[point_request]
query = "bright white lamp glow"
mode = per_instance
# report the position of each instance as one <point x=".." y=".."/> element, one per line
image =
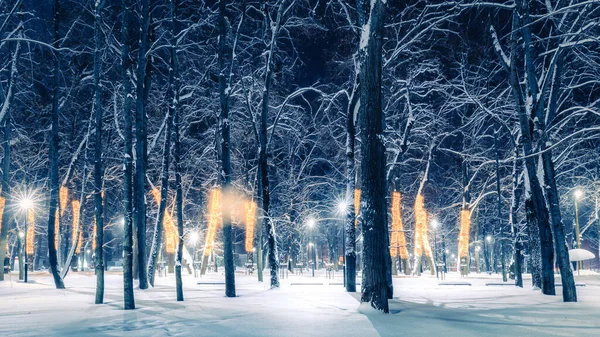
<point x="26" y="203"/>
<point x="310" y="223"/>
<point x="578" y="194"/>
<point x="342" y="207"/>
<point x="434" y="223"/>
<point x="488" y="238"/>
<point x="193" y="238"/>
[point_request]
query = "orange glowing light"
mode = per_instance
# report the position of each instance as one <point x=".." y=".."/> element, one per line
<point x="64" y="198"/>
<point x="420" y="224"/>
<point x="79" y="243"/>
<point x="76" y="206"/>
<point x="30" y="231"/>
<point x="171" y="235"/>
<point x="465" y="231"/>
<point x="250" y="223"/>
<point x="214" y="218"/>
<point x="2" y="201"/>
<point x="356" y="206"/>
<point x="397" y="239"/>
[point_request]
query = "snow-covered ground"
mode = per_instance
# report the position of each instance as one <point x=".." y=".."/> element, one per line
<point x="421" y="307"/>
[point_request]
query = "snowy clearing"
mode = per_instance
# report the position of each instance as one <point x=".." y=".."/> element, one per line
<point x="420" y="307"/>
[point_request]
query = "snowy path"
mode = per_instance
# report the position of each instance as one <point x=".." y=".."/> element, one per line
<point x="421" y="308"/>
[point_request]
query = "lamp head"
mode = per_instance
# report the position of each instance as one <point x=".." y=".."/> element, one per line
<point x="578" y="194"/>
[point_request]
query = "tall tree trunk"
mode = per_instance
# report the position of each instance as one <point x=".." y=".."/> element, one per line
<point x="350" y="223"/>
<point x="98" y="173"/>
<point x="514" y="209"/>
<point x="558" y="229"/>
<point x="499" y="207"/>
<point x="225" y="153"/>
<point x="140" y="146"/>
<point x="53" y="154"/>
<point x="128" y="293"/>
<point x="269" y="227"/>
<point x="177" y="150"/>
<point x="538" y="204"/>
<point x="375" y="287"/>
<point x="6" y="219"/>
<point x="164" y="186"/>
<point x="5" y="204"/>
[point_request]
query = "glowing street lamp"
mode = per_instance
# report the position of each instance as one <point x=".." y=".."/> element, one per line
<point x="311" y="224"/>
<point x="25" y="204"/>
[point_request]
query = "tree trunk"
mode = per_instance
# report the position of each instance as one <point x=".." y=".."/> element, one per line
<point x="350" y="224"/>
<point x="538" y="205"/>
<point x="177" y="152"/>
<point x="140" y="146"/>
<point x="269" y="227"/>
<point x="164" y="184"/>
<point x="98" y="173"/>
<point x="128" y="293"/>
<point x="53" y="154"/>
<point x="225" y="153"/>
<point x="514" y="209"/>
<point x="375" y="287"/>
<point x="6" y="202"/>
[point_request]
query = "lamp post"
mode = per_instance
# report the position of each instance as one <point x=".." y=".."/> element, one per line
<point x="342" y="208"/>
<point x="26" y="204"/>
<point x="434" y="225"/>
<point x="578" y="194"/>
<point x="193" y="239"/>
<point x="311" y="225"/>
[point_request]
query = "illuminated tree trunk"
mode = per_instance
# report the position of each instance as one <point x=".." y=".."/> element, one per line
<point x="53" y="156"/>
<point x="128" y="293"/>
<point x="375" y="283"/>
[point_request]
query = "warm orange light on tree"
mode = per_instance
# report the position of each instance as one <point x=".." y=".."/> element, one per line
<point x="171" y="237"/>
<point x="214" y="217"/>
<point x="2" y="201"/>
<point x="64" y="198"/>
<point x="397" y="238"/>
<point x="420" y="224"/>
<point x="356" y="206"/>
<point x="465" y="232"/>
<point x="76" y="206"/>
<point x="250" y="224"/>
<point x="421" y="220"/>
<point x="79" y="243"/>
<point x="30" y="232"/>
